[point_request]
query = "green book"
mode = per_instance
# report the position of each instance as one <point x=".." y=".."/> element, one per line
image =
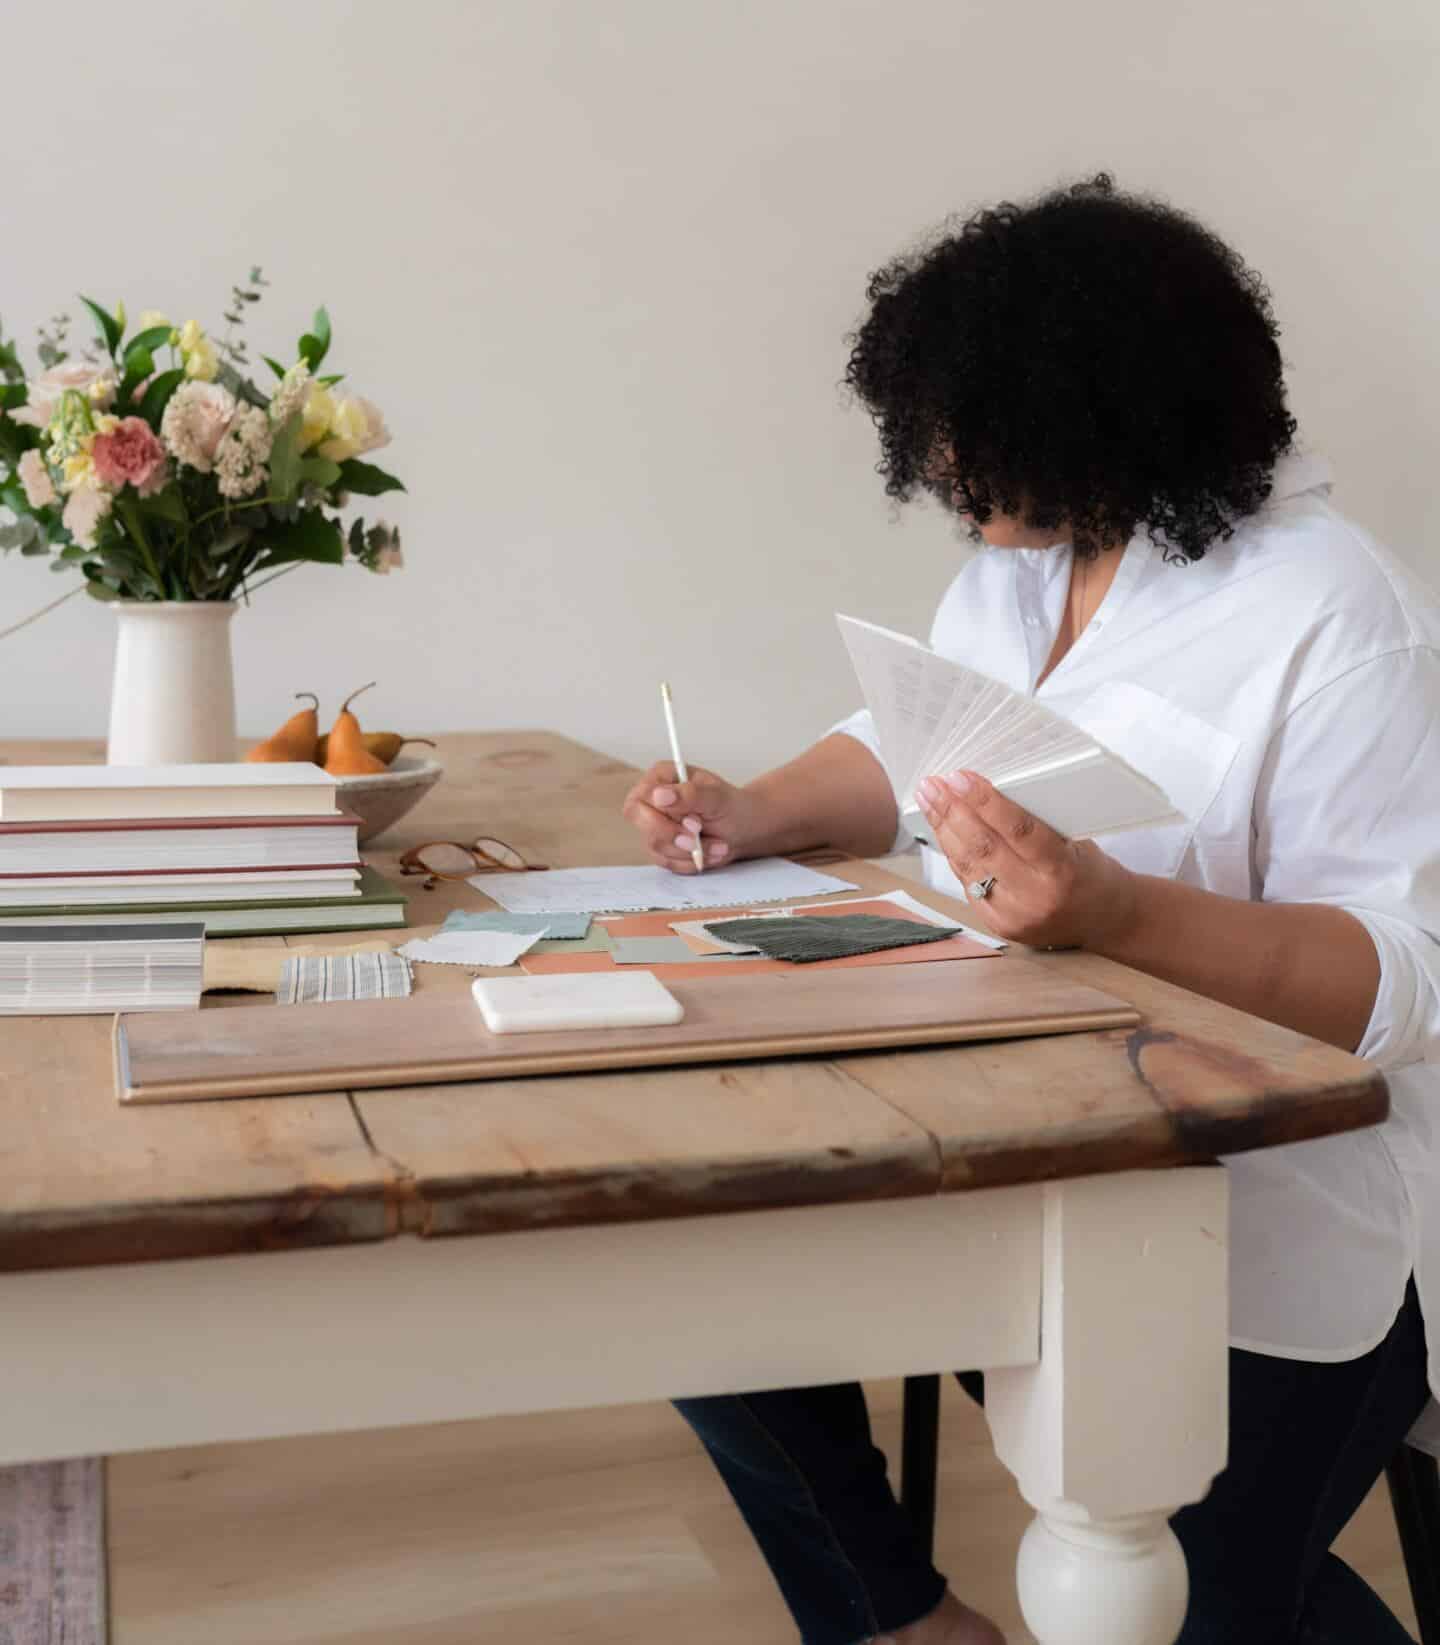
<point x="380" y="904"/>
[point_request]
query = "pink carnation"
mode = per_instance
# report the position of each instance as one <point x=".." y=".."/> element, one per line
<point x="130" y="455"/>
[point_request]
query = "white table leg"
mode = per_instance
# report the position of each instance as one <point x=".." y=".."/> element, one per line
<point x="1124" y="1418"/>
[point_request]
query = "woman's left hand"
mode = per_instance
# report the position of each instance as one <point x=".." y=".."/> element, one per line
<point x="1049" y="892"/>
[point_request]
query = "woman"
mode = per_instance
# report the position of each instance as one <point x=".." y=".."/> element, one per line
<point x="1092" y="382"/>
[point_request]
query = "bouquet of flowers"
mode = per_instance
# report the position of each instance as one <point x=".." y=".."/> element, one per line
<point x="158" y="467"/>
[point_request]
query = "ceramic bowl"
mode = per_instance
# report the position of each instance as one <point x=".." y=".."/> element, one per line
<point x="382" y="799"/>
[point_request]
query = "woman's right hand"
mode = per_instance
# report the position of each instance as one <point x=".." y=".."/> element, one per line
<point x="668" y="812"/>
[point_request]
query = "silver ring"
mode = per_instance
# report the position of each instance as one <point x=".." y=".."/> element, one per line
<point x="980" y="889"/>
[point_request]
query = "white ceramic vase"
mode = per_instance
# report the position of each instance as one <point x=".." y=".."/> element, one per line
<point x="173" y="697"/>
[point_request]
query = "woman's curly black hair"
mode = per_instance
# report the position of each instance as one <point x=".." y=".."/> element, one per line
<point x="1091" y="358"/>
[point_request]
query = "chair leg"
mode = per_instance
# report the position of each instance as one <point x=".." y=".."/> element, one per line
<point x="1414" y="1481"/>
<point x="919" y="1445"/>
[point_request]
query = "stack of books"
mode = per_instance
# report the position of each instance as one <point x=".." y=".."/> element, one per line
<point x="46" y="970"/>
<point x="243" y="850"/>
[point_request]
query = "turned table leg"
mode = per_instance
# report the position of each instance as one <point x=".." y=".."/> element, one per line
<point x="1124" y="1419"/>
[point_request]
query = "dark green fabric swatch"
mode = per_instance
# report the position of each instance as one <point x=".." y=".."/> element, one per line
<point x="828" y="937"/>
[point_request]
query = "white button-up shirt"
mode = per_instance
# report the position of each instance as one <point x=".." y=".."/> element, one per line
<point x="1285" y="691"/>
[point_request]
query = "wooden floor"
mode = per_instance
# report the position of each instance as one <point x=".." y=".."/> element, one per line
<point x="599" y="1527"/>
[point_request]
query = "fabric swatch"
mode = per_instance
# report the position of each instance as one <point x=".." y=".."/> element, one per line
<point x="802" y="938"/>
<point x="255" y="968"/>
<point x="309" y="979"/>
<point x="471" y="947"/>
<point x="547" y="925"/>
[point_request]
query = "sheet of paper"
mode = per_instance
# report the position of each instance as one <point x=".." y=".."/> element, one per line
<point x="470" y="947"/>
<point x="591" y="890"/>
<point x="596" y="940"/>
<point x="656" y="951"/>
<point x="545" y="925"/>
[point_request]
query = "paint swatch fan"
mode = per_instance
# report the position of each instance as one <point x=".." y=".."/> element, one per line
<point x="934" y="716"/>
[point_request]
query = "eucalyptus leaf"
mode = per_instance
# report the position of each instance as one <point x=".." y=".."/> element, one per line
<point x="241" y="387"/>
<point x="109" y="327"/>
<point x="366" y="480"/>
<point x="11" y="536"/>
<point x="35" y="548"/>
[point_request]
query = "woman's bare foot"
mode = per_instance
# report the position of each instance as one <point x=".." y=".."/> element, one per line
<point x="950" y="1623"/>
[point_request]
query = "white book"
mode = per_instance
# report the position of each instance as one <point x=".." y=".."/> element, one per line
<point x="69" y="793"/>
<point x="934" y="716"/>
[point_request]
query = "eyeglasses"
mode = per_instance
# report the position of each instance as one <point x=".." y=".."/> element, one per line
<point x="445" y="860"/>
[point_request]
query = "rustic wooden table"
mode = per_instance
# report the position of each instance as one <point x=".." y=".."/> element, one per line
<point x="235" y="1270"/>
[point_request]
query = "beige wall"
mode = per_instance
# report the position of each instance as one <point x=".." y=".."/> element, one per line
<point x="596" y="262"/>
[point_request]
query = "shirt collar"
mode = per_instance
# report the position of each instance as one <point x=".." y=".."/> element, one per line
<point x="1299" y="472"/>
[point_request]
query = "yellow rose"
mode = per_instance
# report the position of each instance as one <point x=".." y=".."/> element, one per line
<point x="202" y="363"/>
<point x="191" y="336"/>
<point x="153" y="317"/>
<point x="316" y="420"/>
<point x="349" y="428"/>
<point x="356" y="426"/>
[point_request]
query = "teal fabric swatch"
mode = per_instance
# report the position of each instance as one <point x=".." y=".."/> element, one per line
<point x="553" y="925"/>
<point x="803" y="939"/>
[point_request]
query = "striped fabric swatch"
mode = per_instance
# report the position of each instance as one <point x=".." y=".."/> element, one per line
<point x="311" y="978"/>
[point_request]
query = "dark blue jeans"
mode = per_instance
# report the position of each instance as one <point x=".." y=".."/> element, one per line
<point x="1307" y="1442"/>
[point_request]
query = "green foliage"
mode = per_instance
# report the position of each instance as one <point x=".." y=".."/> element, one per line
<point x="310" y="537"/>
<point x="366" y="480"/>
<point x="319" y="472"/>
<point x="189" y="541"/>
<point x="107" y="326"/>
<point x="315" y="344"/>
<point x="285" y="459"/>
<point x="11" y="371"/>
<point x="157" y="395"/>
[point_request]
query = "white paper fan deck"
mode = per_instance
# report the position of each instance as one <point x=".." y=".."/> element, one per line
<point x="933" y="716"/>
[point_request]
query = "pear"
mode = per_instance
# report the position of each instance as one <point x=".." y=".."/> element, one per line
<point x="345" y="752"/>
<point x="384" y="745"/>
<point x="295" y="740"/>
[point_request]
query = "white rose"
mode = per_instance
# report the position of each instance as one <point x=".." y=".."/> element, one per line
<point x="97" y="383"/>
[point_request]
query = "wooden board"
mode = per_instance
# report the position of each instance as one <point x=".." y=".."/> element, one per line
<point x="259" y="1051"/>
<point x="52" y="1553"/>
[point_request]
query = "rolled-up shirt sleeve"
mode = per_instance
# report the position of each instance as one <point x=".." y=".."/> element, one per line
<point x="861" y="726"/>
<point x="1347" y="812"/>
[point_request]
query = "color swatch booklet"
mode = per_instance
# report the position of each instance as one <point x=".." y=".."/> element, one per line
<point x="934" y="716"/>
